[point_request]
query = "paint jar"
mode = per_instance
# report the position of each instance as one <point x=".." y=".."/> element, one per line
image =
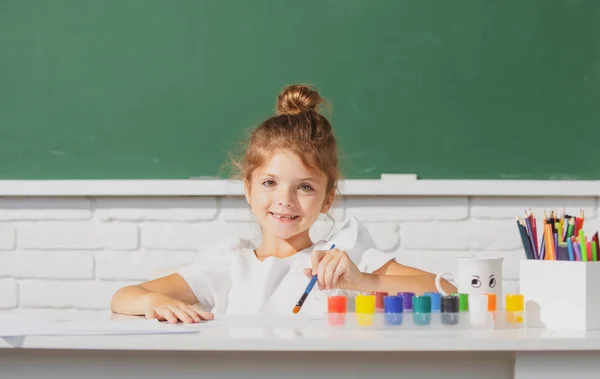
<point x="478" y="310"/>
<point x="515" y="305"/>
<point x="407" y="302"/>
<point x="336" y="310"/>
<point x="450" y="310"/>
<point x="379" y="306"/>
<point x="463" y="302"/>
<point x="436" y="301"/>
<point x="492" y="305"/>
<point x="421" y="310"/>
<point x="393" y="310"/>
<point x="365" y="309"/>
<point x="492" y="302"/>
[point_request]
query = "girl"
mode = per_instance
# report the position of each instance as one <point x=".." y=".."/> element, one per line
<point x="290" y="175"/>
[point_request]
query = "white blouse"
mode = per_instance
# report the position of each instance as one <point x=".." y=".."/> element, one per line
<point x="231" y="280"/>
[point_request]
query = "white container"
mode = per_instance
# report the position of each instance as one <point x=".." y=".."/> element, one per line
<point x="561" y="294"/>
<point x="476" y="276"/>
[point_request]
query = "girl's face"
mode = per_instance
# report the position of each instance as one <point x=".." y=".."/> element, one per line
<point x="286" y="197"/>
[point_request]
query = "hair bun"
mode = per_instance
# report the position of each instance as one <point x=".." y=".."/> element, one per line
<point x="297" y="98"/>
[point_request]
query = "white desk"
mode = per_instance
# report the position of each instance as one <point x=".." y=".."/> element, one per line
<point x="246" y="352"/>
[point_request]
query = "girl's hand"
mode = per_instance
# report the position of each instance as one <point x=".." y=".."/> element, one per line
<point x="165" y="308"/>
<point x="334" y="270"/>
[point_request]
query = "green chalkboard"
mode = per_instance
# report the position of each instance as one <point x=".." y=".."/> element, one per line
<point x="163" y="89"/>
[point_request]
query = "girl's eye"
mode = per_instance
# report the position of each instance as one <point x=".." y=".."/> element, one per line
<point x="306" y="188"/>
<point x="269" y="183"/>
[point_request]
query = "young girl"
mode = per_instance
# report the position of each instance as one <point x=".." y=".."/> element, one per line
<point x="290" y="175"/>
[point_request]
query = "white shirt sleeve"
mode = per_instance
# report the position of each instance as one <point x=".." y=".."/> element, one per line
<point x="373" y="259"/>
<point x="354" y="238"/>
<point x="209" y="277"/>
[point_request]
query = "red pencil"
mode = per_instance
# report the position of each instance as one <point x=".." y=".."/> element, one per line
<point x="579" y="222"/>
<point x="533" y="223"/>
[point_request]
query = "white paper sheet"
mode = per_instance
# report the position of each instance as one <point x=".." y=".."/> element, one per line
<point x="260" y="322"/>
<point x="141" y="326"/>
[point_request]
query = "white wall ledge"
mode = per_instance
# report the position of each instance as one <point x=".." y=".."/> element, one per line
<point x="383" y="187"/>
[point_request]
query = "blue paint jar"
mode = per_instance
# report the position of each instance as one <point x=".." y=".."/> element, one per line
<point x="392" y="308"/>
<point x="436" y="301"/>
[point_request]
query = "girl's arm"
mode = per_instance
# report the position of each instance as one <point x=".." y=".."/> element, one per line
<point x="169" y="298"/>
<point x="334" y="269"/>
<point x="394" y="277"/>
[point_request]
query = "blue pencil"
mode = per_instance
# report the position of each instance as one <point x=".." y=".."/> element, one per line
<point x="309" y="288"/>
<point x="570" y="249"/>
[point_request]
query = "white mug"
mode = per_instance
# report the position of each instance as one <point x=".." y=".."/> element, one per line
<point x="476" y="275"/>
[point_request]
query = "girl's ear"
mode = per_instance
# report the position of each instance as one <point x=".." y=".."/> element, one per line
<point x="328" y="201"/>
<point x="247" y="191"/>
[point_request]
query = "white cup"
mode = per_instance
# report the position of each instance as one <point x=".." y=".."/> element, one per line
<point x="476" y="275"/>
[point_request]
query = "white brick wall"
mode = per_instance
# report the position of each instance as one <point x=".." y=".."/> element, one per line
<point x="9" y="293"/>
<point x="7" y="237"/>
<point x="68" y="255"/>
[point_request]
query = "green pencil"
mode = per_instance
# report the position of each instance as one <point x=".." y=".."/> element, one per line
<point x="584" y="256"/>
<point x="571" y="226"/>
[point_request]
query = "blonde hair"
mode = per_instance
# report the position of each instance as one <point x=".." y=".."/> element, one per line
<point x="297" y="127"/>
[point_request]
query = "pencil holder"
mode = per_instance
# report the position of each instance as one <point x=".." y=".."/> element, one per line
<point x="561" y="294"/>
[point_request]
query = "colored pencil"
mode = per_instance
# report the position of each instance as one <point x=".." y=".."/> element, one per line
<point x="571" y="227"/>
<point x="562" y="237"/>
<point x="549" y="241"/>
<point x="577" y="250"/>
<point x="561" y="224"/>
<point x="525" y="238"/>
<point x="530" y="236"/>
<point x="533" y="222"/>
<point x="582" y="246"/>
<point x="570" y="250"/>
<point x="595" y="239"/>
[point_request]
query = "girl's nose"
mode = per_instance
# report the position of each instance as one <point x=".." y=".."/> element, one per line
<point x="286" y="199"/>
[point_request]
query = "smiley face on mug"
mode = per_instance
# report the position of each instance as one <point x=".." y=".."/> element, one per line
<point x="476" y="275"/>
<point x="477" y="281"/>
